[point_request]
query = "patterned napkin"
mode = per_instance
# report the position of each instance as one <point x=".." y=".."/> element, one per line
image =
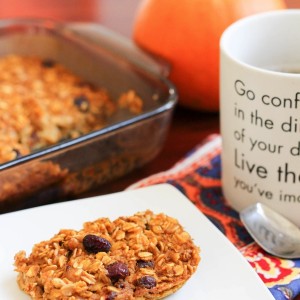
<point x="198" y="177"/>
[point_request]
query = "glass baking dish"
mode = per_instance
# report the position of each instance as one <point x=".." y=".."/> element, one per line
<point x="128" y="141"/>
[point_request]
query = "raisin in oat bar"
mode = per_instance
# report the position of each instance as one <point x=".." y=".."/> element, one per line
<point x="144" y="256"/>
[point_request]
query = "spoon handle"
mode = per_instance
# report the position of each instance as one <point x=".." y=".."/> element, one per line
<point x="274" y="233"/>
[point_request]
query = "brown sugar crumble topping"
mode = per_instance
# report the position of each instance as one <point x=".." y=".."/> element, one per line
<point x="43" y="103"/>
<point x="144" y="256"/>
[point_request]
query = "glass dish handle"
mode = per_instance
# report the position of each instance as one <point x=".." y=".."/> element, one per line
<point x="116" y="43"/>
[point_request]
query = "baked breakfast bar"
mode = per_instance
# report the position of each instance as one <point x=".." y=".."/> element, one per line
<point x="144" y="256"/>
<point x="43" y="103"/>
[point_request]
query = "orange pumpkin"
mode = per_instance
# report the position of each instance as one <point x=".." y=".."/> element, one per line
<point x="186" y="33"/>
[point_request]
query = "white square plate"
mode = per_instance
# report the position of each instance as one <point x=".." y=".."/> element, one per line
<point x="223" y="272"/>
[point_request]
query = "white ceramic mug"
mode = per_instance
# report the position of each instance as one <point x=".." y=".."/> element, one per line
<point x="260" y="112"/>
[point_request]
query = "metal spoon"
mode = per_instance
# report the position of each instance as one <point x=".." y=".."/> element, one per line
<point x="272" y="231"/>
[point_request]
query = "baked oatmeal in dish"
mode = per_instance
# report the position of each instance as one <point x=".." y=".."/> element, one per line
<point x="43" y="103"/>
<point x="143" y="256"/>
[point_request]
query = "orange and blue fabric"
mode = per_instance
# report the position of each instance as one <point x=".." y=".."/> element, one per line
<point x="198" y="176"/>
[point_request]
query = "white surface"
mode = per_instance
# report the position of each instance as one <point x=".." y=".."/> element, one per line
<point x="223" y="273"/>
